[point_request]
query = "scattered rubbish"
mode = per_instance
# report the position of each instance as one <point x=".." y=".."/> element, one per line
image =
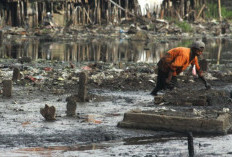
<point x="25" y="59"/>
<point x="48" y="69"/>
<point x="137" y="110"/>
<point x="91" y="119"/>
<point x="71" y="65"/>
<point x="30" y="78"/>
<point x="226" y="110"/>
<point x="86" y="68"/>
<point x="25" y="123"/>
<point x="194" y="72"/>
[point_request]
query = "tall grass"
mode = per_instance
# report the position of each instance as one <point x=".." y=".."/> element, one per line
<point x="212" y="12"/>
<point x="185" y="26"/>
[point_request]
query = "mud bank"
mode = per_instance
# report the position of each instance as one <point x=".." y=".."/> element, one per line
<point x="113" y="92"/>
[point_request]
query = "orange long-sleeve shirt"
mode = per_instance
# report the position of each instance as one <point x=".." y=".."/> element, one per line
<point x="178" y="59"/>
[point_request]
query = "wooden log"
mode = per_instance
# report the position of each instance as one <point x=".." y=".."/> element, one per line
<point x="219" y="53"/>
<point x="199" y="14"/>
<point x="78" y="53"/>
<point x="22" y="14"/>
<point x="182" y="8"/>
<point x="88" y="15"/>
<point x="87" y="52"/>
<point x="162" y="13"/>
<point x="219" y="10"/>
<point x="79" y="15"/>
<point x="98" y="52"/>
<point x="52" y="9"/>
<point x="115" y="20"/>
<point x="9" y="17"/>
<point x="43" y="10"/>
<point x="168" y="8"/>
<point x="1" y="37"/>
<point x="126" y="8"/>
<point x="83" y="52"/>
<point x="109" y="12"/>
<point x="74" y="15"/>
<point x="203" y="13"/>
<point x="69" y="11"/>
<point x="142" y="19"/>
<point x="99" y="12"/>
<point x="35" y="16"/>
<point x="119" y="12"/>
<point x="95" y="11"/>
<point x="83" y="15"/>
<point x="18" y="14"/>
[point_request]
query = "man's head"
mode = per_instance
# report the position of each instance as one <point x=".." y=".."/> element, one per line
<point x="198" y="47"/>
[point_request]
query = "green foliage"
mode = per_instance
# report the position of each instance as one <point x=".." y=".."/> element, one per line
<point x="227" y="14"/>
<point x="185" y="43"/>
<point x="185" y="26"/>
<point x="212" y="12"/>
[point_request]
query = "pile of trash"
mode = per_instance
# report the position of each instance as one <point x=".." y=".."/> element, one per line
<point x="60" y="77"/>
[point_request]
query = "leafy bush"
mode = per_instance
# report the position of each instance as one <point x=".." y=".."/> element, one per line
<point x="185" y="26"/>
<point x="226" y="13"/>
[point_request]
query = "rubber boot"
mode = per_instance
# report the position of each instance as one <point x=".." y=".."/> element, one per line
<point x="154" y="92"/>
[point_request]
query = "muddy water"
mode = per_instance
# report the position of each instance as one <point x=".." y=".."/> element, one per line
<point x="218" y="51"/>
<point x="93" y="131"/>
<point x="25" y="133"/>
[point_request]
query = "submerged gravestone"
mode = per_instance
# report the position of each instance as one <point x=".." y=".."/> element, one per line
<point x="7" y="88"/>
<point x="82" y="93"/>
<point x="16" y="74"/>
<point x="185" y="121"/>
<point x="49" y="113"/>
<point x="71" y="108"/>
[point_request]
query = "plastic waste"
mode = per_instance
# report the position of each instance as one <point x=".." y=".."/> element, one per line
<point x="194" y="70"/>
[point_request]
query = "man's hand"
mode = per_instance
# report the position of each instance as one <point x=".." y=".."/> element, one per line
<point x="207" y="85"/>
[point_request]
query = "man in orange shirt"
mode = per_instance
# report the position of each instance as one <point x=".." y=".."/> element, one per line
<point x="174" y="62"/>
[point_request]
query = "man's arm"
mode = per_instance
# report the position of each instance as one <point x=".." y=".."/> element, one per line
<point x="200" y="74"/>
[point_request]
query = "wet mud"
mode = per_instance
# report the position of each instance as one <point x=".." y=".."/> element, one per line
<point x="118" y="82"/>
<point x="93" y="130"/>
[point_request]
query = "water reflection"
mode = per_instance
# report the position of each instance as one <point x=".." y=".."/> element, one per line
<point x="217" y="51"/>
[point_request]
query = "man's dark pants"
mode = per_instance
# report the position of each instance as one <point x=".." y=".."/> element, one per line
<point x="161" y="82"/>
